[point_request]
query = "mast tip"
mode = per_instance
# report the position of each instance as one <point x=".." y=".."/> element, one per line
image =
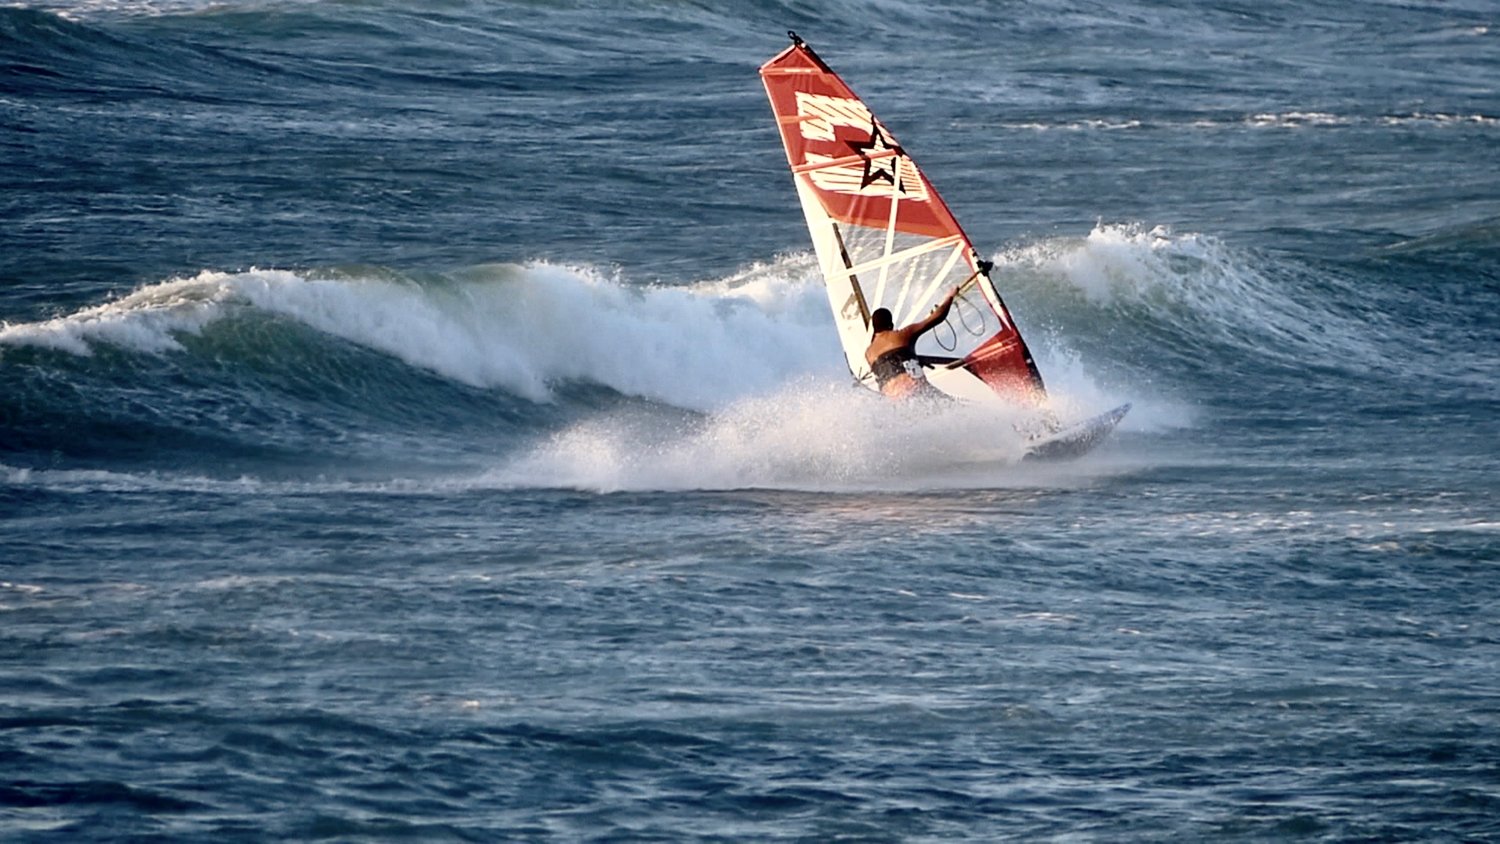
<point x="796" y="39"/>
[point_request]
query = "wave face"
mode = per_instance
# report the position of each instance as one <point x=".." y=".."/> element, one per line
<point x="425" y="421"/>
<point x="357" y="362"/>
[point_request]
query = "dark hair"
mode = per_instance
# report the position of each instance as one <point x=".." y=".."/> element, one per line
<point x="880" y="320"/>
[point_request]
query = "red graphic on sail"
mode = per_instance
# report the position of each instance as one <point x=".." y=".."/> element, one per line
<point x="827" y="130"/>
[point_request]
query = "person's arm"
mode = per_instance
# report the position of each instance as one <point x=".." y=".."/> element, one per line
<point x="938" y="314"/>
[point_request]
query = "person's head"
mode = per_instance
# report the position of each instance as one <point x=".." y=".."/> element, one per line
<point x="880" y="321"/>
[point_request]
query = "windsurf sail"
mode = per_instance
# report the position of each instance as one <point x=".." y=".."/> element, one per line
<point x="885" y="239"/>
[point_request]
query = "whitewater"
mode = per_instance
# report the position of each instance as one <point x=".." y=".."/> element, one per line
<point x="790" y="417"/>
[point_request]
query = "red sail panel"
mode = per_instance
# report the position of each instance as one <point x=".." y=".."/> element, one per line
<point x="851" y="158"/>
<point x="1004" y="364"/>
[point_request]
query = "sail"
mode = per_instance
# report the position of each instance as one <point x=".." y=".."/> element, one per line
<point x="885" y="239"/>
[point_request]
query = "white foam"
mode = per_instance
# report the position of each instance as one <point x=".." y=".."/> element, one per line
<point x="1269" y="120"/>
<point x="1294" y="119"/>
<point x="520" y="328"/>
<point x="1206" y="287"/>
<point x="83" y="9"/>
<point x="1110" y="259"/>
<point x="812" y="436"/>
<point x="144" y="320"/>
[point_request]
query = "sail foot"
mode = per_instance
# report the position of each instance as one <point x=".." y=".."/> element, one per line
<point x="1005" y="366"/>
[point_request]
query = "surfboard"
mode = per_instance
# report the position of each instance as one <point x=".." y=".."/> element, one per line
<point x="884" y="238"/>
<point x="1077" y="439"/>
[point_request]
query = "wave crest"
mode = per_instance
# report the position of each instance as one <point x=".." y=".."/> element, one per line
<point x="519" y="328"/>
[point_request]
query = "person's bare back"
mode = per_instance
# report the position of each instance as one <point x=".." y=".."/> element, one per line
<point x="892" y="354"/>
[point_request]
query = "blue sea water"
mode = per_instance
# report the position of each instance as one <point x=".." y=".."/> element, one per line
<point x="424" y="422"/>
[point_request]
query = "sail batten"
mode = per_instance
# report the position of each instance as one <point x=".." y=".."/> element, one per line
<point x="840" y="162"/>
<point x="932" y="290"/>
<point x="913" y="252"/>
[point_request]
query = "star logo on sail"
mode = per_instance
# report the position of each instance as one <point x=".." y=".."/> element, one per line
<point x="849" y="152"/>
<point x="879" y="166"/>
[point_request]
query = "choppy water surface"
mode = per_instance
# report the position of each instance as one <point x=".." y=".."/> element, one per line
<point x="427" y="423"/>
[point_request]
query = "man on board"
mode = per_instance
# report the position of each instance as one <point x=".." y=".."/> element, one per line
<point x="892" y="353"/>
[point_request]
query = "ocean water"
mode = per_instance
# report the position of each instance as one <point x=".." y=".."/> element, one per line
<point x="424" y="422"/>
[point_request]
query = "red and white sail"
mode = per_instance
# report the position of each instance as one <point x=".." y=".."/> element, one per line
<point x="884" y="238"/>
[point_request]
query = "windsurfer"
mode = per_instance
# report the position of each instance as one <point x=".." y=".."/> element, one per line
<point x="892" y="354"/>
